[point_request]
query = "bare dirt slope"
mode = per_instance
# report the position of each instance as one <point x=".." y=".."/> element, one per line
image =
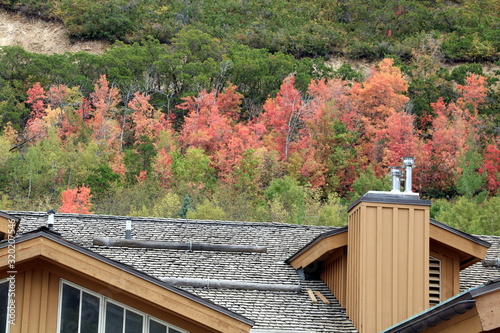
<point x="38" y="36"/>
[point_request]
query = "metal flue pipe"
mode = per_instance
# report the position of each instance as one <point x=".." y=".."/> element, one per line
<point x="136" y="243"/>
<point x="230" y="284"/>
<point x="395" y="172"/>
<point x="408" y="162"/>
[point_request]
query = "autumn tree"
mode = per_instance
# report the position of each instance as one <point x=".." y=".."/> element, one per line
<point x="282" y="118"/>
<point x="377" y="108"/>
<point x="76" y="200"/>
<point x="491" y="168"/>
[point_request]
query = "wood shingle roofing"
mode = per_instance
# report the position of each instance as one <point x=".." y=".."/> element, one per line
<point x="269" y="310"/>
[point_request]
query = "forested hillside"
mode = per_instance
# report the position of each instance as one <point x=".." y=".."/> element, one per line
<point x="229" y="110"/>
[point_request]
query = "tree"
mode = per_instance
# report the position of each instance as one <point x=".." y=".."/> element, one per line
<point x="282" y="118"/>
<point x="455" y="125"/>
<point x="491" y="168"/>
<point x="76" y="200"/>
<point x="377" y="104"/>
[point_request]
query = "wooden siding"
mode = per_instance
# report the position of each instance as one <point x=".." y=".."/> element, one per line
<point x="488" y="307"/>
<point x="334" y="274"/>
<point x="320" y="251"/>
<point x="388" y="264"/>
<point x="37" y="298"/>
<point x="470" y="252"/>
<point x="450" y="269"/>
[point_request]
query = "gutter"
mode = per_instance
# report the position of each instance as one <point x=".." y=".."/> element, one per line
<point x="446" y="310"/>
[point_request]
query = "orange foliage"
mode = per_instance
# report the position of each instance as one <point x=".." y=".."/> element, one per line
<point x="491" y="167"/>
<point x="76" y="200"/>
<point x="148" y="121"/>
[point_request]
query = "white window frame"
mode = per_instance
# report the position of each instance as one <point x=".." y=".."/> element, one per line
<point x="102" y="310"/>
<point x="7" y="323"/>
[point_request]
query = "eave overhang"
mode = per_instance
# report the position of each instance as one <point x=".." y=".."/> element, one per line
<point x="6" y="222"/>
<point x="319" y="248"/>
<point x="470" y="248"/>
<point x="49" y="246"/>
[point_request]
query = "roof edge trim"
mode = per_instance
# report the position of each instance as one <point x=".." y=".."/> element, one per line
<point x="460" y="233"/>
<point x="317" y="240"/>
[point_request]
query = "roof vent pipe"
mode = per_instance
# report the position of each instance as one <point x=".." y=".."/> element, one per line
<point x="408" y="162"/>
<point x="128" y="229"/>
<point x="395" y="172"/>
<point x="50" y="219"/>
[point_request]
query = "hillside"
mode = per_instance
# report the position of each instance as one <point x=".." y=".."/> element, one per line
<point x="38" y="36"/>
<point x="226" y="117"/>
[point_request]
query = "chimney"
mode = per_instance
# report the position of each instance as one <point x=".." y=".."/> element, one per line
<point x="50" y="219"/>
<point x="388" y="260"/>
<point x="128" y="229"/>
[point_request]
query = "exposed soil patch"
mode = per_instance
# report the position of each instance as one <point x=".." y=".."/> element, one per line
<point x="38" y="36"/>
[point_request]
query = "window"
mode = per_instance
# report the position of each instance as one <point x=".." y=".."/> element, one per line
<point x="4" y="300"/>
<point x="434" y="281"/>
<point x="83" y="311"/>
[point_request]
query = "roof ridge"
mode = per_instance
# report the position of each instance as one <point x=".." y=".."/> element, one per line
<point x="177" y="220"/>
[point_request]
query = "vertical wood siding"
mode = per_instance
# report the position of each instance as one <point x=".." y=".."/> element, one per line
<point x="388" y="264"/>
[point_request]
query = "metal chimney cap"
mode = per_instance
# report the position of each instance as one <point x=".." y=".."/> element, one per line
<point x="395" y="171"/>
<point x="408" y="161"/>
<point x="51" y="211"/>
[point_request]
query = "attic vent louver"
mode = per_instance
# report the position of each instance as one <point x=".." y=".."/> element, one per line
<point x="50" y="219"/>
<point x="434" y="281"/>
<point x="128" y="229"/>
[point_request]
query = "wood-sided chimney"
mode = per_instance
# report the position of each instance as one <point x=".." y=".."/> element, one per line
<point x="388" y="259"/>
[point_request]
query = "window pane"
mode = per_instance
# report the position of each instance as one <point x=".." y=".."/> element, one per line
<point x="114" y="318"/>
<point x="4" y="294"/>
<point x="90" y="313"/>
<point x="155" y="327"/>
<point x="133" y="322"/>
<point x="70" y="309"/>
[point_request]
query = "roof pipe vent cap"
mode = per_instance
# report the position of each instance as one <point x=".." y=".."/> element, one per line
<point x="395" y="172"/>
<point x="50" y="219"/>
<point x="409" y="163"/>
<point x="128" y="229"/>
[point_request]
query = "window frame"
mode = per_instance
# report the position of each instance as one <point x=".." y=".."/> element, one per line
<point x="7" y="323"/>
<point x="103" y="301"/>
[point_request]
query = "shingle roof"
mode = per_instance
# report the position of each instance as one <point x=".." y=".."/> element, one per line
<point x="476" y="274"/>
<point x="269" y="310"/>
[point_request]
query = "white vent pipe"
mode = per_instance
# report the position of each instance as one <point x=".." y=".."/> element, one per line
<point x="50" y="219"/>
<point x="408" y="162"/>
<point x="128" y="229"/>
<point x="395" y="172"/>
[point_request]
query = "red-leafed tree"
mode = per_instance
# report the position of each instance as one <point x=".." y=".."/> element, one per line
<point x="148" y="122"/>
<point x="491" y="167"/>
<point x="36" y="97"/>
<point x="454" y="125"/>
<point x="163" y="168"/>
<point x="205" y="126"/>
<point x="375" y="105"/>
<point x="282" y="118"/>
<point x="76" y="200"/>
<point x="104" y="118"/>
<point x="210" y="125"/>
